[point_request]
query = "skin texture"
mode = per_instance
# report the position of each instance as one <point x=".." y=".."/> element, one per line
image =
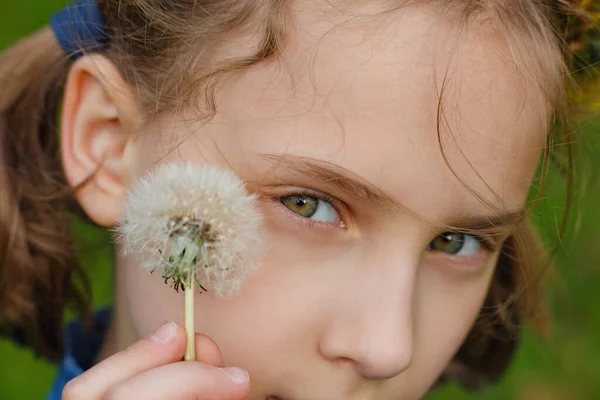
<point x="359" y="309"/>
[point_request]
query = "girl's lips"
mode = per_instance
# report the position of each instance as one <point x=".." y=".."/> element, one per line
<point x="274" y="398"/>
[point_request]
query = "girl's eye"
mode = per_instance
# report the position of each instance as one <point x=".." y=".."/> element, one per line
<point x="311" y="208"/>
<point x="456" y="244"/>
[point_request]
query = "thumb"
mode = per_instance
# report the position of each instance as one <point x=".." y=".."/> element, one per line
<point x="207" y="351"/>
<point x="164" y="346"/>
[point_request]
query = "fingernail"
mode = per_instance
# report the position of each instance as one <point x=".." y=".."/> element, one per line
<point x="237" y="375"/>
<point x="165" y="333"/>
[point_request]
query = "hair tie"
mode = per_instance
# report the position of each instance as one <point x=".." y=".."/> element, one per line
<point x="79" y="28"/>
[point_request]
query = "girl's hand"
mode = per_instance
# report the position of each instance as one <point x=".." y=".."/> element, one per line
<point x="152" y="369"/>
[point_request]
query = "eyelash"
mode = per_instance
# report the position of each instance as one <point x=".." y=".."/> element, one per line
<point x="339" y="208"/>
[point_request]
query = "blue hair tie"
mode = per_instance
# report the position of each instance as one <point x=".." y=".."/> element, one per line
<point x="79" y="28"/>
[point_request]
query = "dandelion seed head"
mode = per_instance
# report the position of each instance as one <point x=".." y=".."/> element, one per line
<point x="185" y="217"/>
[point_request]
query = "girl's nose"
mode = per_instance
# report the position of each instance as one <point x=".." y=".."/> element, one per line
<point x="371" y="317"/>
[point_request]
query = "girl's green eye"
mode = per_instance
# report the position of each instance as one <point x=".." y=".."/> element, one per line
<point x="304" y="206"/>
<point x="311" y="208"/>
<point x="456" y="244"/>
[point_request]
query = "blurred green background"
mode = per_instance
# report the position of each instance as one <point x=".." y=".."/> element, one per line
<point x="563" y="365"/>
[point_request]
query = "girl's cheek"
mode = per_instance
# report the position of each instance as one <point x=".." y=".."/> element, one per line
<point x="150" y="302"/>
<point x="447" y="302"/>
<point x="277" y="311"/>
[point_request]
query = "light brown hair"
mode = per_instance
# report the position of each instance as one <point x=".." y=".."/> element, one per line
<point x="40" y="275"/>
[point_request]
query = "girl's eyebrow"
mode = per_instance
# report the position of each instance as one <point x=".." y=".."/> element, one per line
<point x="334" y="175"/>
<point x="491" y="222"/>
<point x="350" y="183"/>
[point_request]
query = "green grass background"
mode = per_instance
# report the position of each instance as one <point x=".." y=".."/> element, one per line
<point x="564" y="365"/>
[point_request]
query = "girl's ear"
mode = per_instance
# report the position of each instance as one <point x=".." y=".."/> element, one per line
<point x="100" y="118"/>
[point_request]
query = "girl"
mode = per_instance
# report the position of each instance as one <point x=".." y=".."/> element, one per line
<point x="392" y="145"/>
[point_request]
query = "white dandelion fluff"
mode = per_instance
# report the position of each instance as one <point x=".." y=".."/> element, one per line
<point x="184" y="218"/>
<point x="195" y="225"/>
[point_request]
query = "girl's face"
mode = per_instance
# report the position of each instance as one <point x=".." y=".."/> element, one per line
<point x="361" y="294"/>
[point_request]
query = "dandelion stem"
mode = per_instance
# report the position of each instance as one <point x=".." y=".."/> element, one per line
<point x="190" y="349"/>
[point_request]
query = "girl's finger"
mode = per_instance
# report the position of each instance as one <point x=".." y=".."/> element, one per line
<point x="207" y="351"/>
<point x="166" y="345"/>
<point x="184" y="380"/>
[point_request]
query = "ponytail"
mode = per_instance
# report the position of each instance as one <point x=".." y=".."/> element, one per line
<point x="39" y="273"/>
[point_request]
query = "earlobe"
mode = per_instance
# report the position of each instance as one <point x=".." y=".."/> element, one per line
<point x="99" y="118"/>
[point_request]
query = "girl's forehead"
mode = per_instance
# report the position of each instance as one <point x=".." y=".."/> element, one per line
<point x="377" y="98"/>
